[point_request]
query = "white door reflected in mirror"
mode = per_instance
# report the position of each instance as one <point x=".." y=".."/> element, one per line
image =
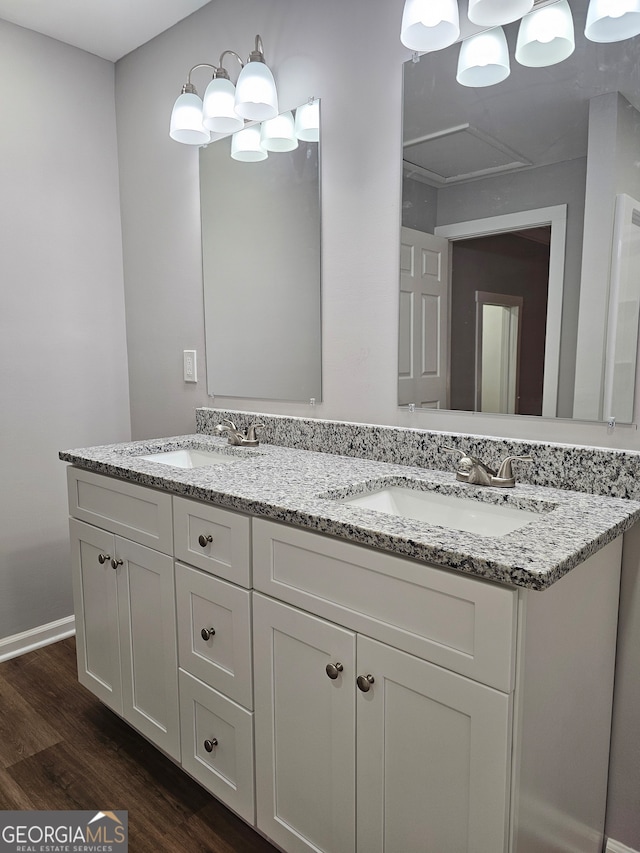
<point x="499" y="318"/>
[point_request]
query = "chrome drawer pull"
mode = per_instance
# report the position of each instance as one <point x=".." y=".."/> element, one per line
<point x="209" y="744"/>
<point x="205" y="540"/>
<point x="207" y="633"/>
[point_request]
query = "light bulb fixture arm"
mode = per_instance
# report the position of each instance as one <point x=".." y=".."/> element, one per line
<point x="221" y="71"/>
<point x="188" y="86"/>
<point x="257" y="54"/>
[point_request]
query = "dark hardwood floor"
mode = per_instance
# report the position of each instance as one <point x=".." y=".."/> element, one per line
<point x="60" y="748"/>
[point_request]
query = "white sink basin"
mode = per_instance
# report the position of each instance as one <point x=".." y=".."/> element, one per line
<point x="472" y="516"/>
<point x="190" y="457"/>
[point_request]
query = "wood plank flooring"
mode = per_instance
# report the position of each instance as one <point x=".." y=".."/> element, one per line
<point x="60" y="748"/>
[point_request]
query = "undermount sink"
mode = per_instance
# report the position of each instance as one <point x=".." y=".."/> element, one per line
<point x="471" y="516"/>
<point x="191" y="457"/>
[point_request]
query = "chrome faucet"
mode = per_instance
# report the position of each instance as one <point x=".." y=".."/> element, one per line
<point x="473" y="470"/>
<point x="237" y="437"/>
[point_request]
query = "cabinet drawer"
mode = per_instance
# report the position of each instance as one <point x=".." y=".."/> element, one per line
<point x="135" y="512"/>
<point x="217" y="744"/>
<point x="464" y="624"/>
<point x="223" y="659"/>
<point x="224" y="549"/>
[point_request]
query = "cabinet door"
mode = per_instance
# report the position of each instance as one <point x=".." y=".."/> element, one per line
<point x="433" y="758"/>
<point x="148" y="647"/>
<point x="305" y="730"/>
<point x="96" y="609"/>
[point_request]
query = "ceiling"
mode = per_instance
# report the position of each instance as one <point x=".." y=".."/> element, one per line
<point x="454" y="133"/>
<point x="107" y="28"/>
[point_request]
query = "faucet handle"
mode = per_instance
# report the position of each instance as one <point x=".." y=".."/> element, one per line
<point x="226" y="426"/>
<point x="505" y="476"/>
<point x="471" y="469"/>
<point x="250" y="437"/>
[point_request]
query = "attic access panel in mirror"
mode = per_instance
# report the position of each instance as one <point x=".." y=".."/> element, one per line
<point x="261" y="272"/>
<point x="476" y="153"/>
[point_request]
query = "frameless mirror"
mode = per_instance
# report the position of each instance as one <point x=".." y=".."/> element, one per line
<point x="261" y="271"/>
<point x="516" y="190"/>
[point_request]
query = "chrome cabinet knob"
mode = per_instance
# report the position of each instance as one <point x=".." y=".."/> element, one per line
<point x="103" y="558"/>
<point x="205" y="540"/>
<point x="364" y="682"/>
<point x="209" y="744"/>
<point x="333" y="670"/>
<point x="207" y="633"/>
<point x="115" y="563"/>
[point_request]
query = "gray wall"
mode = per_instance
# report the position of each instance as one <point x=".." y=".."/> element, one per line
<point x="63" y="369"/>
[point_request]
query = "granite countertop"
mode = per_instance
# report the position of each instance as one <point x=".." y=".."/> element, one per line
<point x="300" y="487"/>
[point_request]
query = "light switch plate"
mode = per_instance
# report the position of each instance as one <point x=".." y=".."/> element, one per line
<point x="190" y="365"/>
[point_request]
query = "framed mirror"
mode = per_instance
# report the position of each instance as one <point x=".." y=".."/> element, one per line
<point x="513" y="189"/>
<point x="261" y="272"/>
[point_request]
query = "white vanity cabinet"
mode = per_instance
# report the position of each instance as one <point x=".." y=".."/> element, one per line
<point x="125" y="602"/>
<point x="344" y="699"/>
<point x="363" y="746"/>
<point x="464" y="716"/>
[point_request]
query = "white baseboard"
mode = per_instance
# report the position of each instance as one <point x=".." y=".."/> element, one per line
<point x="617" y="847"/>
<point x="35" y="638"/>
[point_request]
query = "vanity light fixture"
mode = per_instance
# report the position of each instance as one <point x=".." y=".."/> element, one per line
<point x="186" y="118"/>
<point x="225" y="107"/>
<point x="612" y="20"/>
<point x="546" y="36"/>
<point x="256" y="95"/>
<point x="430" y="24"/>
<point x="496" y="13"/>
<point x="246" y="147"/>
<point x="307" y="124"/>
<point x="278" y="134"/>
<point x="218" y="104"/>
<point x="484" y="59"/>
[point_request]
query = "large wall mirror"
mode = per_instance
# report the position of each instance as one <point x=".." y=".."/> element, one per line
<point x="261" y="271"/>
<point x="520" y="246"/>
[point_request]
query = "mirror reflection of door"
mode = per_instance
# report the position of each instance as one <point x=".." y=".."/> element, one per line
<point x="513" y="265"/>
<point x="423" y="354"/>
<point x="498" y="324"/>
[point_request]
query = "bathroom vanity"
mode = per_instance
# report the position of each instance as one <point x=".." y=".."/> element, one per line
<point x="342" y="679"/>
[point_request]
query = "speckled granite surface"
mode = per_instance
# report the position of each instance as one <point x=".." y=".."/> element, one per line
<point x="295" y="486"/>
<point x="598" y="471"/>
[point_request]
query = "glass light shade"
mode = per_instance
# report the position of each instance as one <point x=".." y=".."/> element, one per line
<point x="484" y="59"/>
<point x="256" y="95"/>
<point x="278" y="134"/>
<point x="218" y="110"/>
<point x="245" y="145"/>
<point x="612" y="20"/>
<point x="546" y="36"/>
<point x="186" y="121"/>
<point x="307" y="124"/>
<point x="429" y="24"/>
<point x="495" y="13"/>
